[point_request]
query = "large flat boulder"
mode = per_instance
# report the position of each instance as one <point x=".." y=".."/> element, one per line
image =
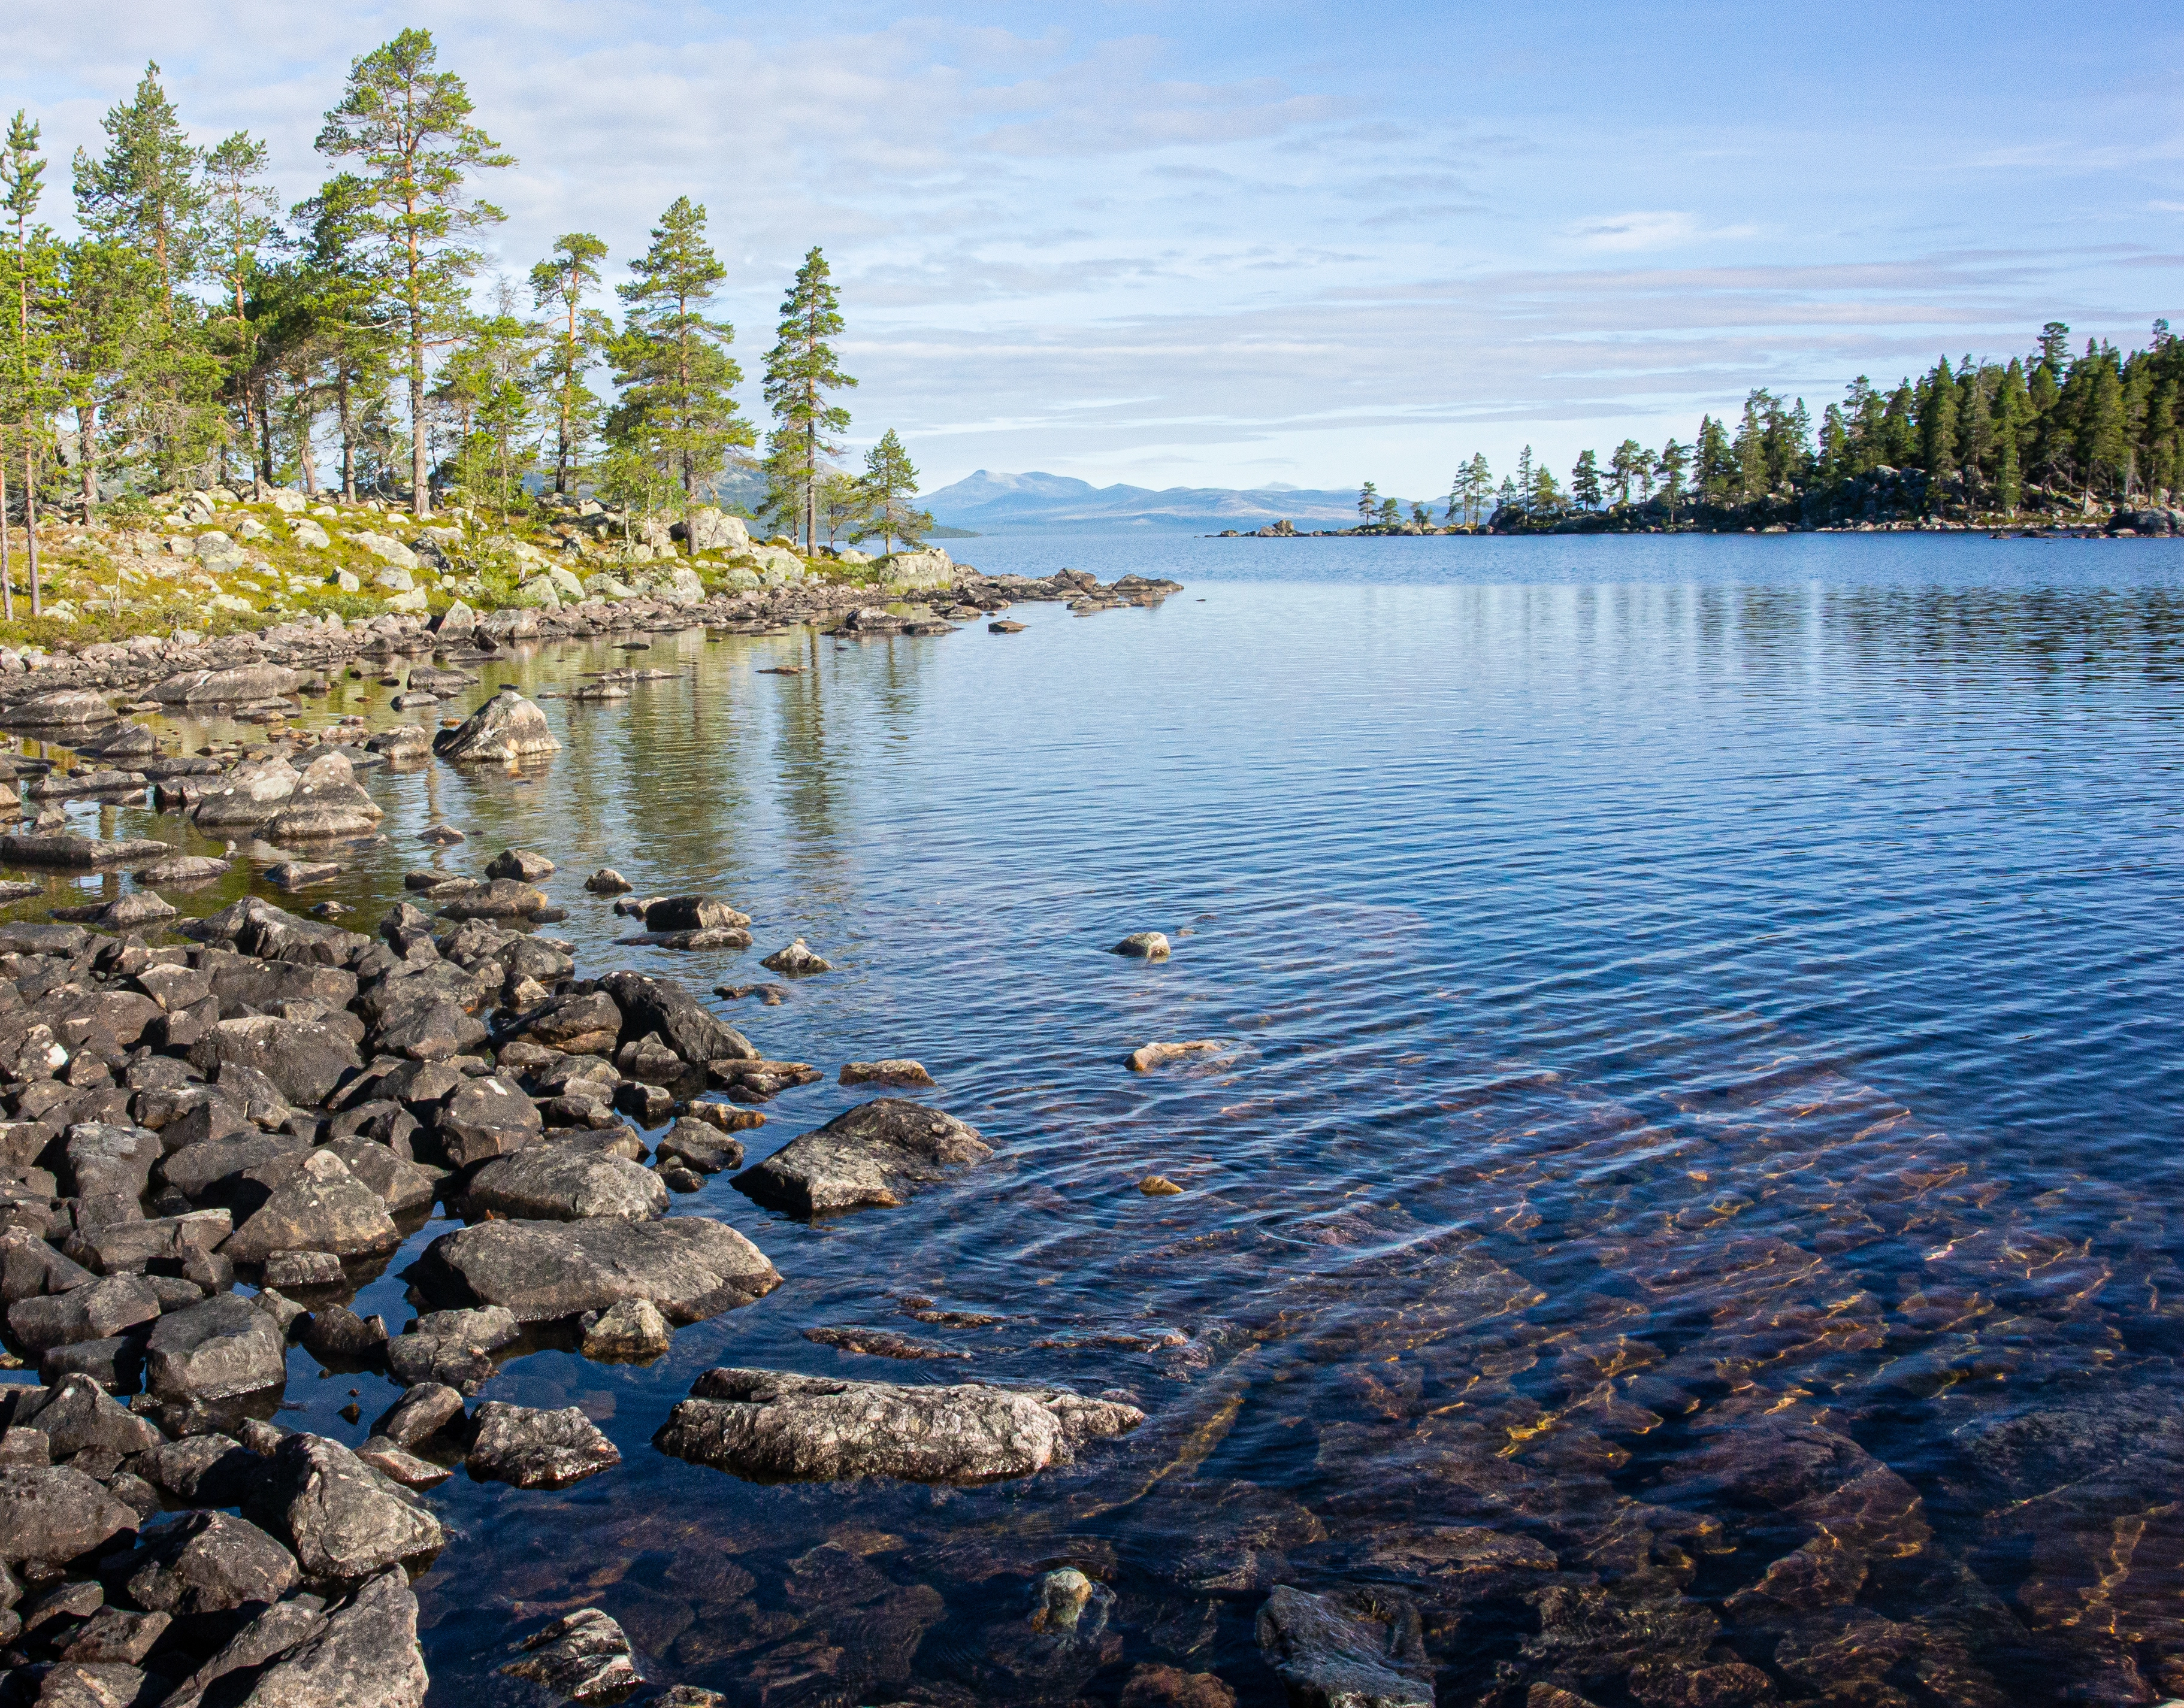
<point x="775" y="1426"/>
<point x="95" y="1312"/>
<point x="234" y="686"/>
<point x="199" y="1563"/>
<point x="565" y="1181"/>
<point x="536" y="1449"/>
<point x="880" y="1153"/>
<point x="542" y="1272"/>
<point x="78" y="853"/>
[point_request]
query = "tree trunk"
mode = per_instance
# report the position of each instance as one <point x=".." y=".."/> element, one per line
<point x="30" y="520"/>
<point x="86" y="456"/>
<point x="348" y="439"/>
<point x="305" y="462"/>
<point x="263" y="477"/>
<point x="420" y="496"/>
<point x="7" y="564"/>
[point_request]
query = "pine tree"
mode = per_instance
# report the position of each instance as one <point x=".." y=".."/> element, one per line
<point x="1480" y="487"/>
<point x="241" y="216"/>
<point x="2055" y="347"/>
<point x="107" y="311"/>
<point x="1673" y="460"/>
<point x="801" y="369"/>
<point x="2103" y="448"/>
<point x="562" y="283"/>
<point x="890" y="482"/>
<point x="673" y="361"/>
<point x="2011" y="409"/>
<point x="1525" y="481"/>
<point x="410" y="124"/>
<point x="346" y="301"/>
<point x="1937" y="431"/>
<point x="1368" y="504"/>
<point x="1584" y="481"/>
<point x="145" y="191"/>
<point x="1546" y="496"/>
<point x="1391" y="513"/>
<point x="30" y="276"/>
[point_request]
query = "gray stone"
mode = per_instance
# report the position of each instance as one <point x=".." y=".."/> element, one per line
<point x="691" y="1267"/>
<point x="536" y="1449"/>
<point x="449" y="1347"/>
<point x="504" y="730"/>
<point x="771" y="1425"/>
<point x="652" y="1005"/>
<point x="634" y="1331"/>
<point x="563" y="1182"/>
<point x="583" y="1656"/>
<point x="216" y="1351"/>
<point x="208" y="1562"/>
<point x="342" y="1520"/>
<point x="879" y="1153"/>
<point x="305" y="1061"/>
<point x="1144" y="945"/>
<point x="425" y="1409"/>
<point x="322" y="1207"/>
<point x="365" y="1654"/>
<point x="103" y="1309"/>
<point x="51" y="1514"/>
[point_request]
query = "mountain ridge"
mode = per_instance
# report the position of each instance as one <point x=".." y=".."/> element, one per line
<point x="997" y="501"/>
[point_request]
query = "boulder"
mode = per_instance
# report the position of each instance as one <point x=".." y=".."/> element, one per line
<point x="76" y="1416"/>
<point x="796" y="961"/>
<point x="305" y="1061"/>
<point x="115" y="1636"/>
<point x="521" y="864"/>
<point x="632" y="1331"/>
<point x="582" y="1656"/>
<point x="879" y="1153"/>
<point x="606" y="881"/>
<point x="486" y="1117"/>
<point x="199" y="1563"/>
<point x="536" y="1449"/>
<point x="250" y="795"/>
<point x="1144" y="945"/>
<point x="388" y="549"/>
<point x="215" y="1350"/>
<point x="273" y="1632"/>
<point x="678" y="913"/>
<point x="711" y="529"/>
<point x="650" y="1005"/>
<point x="425" y="1409"/>
<point x="328" y="802"/>
<point x="95" y="1312"/>
<point x="363" y="1655"/>
<point x="75" y="852"/>
<point x="50" y="1515"/>
<point x="891" y="1071"/>
<point x="235" y="685"/>
<point x="64" y="708"/>
<point x="589" y="1024"/>
<point x="201" y="1470"/>
<point x="342" y="1520"/>
<point x="322" y="1207"/>
<point x="504" y="730"/>
<point x="691" y="1267"/>
<point x="1347" y="1648"/>
<point x="563" y="1182"/>
<point x="448" y="1347"/>
<point x="771" y="1425"/>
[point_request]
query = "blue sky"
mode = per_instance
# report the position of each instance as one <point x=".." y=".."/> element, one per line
<point x="1223" y="244"/>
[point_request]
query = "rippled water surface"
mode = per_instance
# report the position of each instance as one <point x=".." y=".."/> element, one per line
<point x="1689" y="1176"/>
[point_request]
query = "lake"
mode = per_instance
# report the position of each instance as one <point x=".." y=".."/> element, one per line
<point x="1686" y="1199"/>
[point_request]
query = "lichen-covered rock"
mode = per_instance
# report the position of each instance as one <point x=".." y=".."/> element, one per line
<point x="563" y="1182"/>
<point x="198" y="1563"/>
<point x="583" y="1656"/>
<point x="661" y="1006"/>
<point x="879" y="1153"/>
<point x="449" y="1347"/>
<point x="52" y="1514"/>
<point x="772" y="1424"/>
<point x="221" y="1348"/>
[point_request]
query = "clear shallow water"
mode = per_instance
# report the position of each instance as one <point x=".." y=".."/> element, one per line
<point x="1698" y="1098"/>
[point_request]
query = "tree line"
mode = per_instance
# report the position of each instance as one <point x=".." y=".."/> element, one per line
<point x="2047" y="430"/>
<point x="194" y="331"/>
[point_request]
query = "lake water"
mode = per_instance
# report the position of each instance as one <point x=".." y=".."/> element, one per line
<point x="1689" y="1180"/>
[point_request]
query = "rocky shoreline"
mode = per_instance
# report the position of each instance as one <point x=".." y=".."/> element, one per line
<point x="262" y="1099"/>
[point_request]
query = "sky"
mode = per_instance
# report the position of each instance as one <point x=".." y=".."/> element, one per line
<point x="1217" y="244"/>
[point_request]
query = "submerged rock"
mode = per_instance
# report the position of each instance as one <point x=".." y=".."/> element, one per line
<point x="1347" y="1649"/>
<point x="770" y="1424"/>
<point x="1142" y="945"/>
<point x="879" y="1153"/>
<point x="797" y="960"/>
<point x="691" y="1267"/>
<point x="583" y="1656"/>
<point x="447" y="1348"/>
<point x="897" y="1069"/>
<point x="634" y="1331"/>
<point x="1147" y="1057"/>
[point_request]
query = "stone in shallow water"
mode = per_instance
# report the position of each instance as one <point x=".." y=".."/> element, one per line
<point x="893" y="1070"/>
<point x="1142" y="945"/>
<point x="343" y="1519"/>
<point x="770" y="1424"/>
<point x="583" y="1656"/>
<point x="448" y="1348"/>
<point x="365" y="1654"/>
<point x="536" y="1449"/>
<point x="634" y="1330"/>
<point x="879" y="1153"/>
<point x="1346" y="1649"/>
<point x="797" y="960"/>
<point x="691" y="1267"/>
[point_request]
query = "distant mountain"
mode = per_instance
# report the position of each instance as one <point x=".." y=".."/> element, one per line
<point x="992" y="504"/>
